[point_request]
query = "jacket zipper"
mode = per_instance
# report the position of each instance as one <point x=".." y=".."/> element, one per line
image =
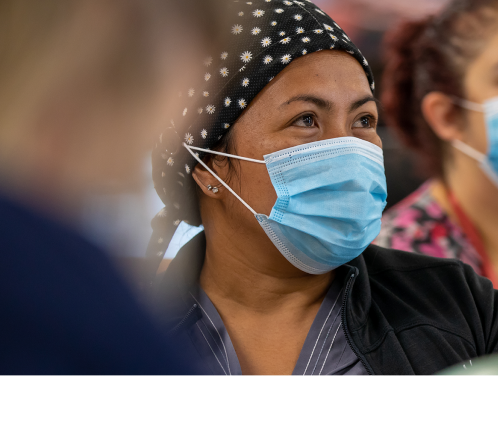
<point x="179" y="325"/>
<point x="345" y="327"/>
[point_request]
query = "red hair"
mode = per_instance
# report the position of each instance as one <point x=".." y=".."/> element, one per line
<point x="431" y="55"/>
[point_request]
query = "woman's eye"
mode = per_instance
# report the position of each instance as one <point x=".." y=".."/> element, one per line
<point x="365" y="122"/>
<point x="305" y="121"/>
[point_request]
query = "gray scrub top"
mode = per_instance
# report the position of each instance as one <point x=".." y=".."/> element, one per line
<point x="325" y="350"/>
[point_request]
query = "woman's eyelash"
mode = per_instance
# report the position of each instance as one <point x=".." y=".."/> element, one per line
<point x="371" y="118"/>
<point x="305" y="116"/>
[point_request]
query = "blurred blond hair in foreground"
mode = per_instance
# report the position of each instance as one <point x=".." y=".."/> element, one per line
<point x="85" y="87"/>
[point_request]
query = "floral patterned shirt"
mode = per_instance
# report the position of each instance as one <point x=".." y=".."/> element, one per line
<point x="419" y="224"/>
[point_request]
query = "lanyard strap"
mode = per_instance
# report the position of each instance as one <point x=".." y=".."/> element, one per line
<point x="475" y="239"/>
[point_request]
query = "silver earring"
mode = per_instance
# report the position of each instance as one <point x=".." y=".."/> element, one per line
<point x="214" y="189"/>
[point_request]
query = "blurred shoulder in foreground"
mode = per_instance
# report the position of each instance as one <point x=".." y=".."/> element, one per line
<point x="85" y="87"/>
<point x="64" y="309"/>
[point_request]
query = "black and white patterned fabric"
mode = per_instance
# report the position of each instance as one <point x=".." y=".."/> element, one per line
<point x="260" y="39"/>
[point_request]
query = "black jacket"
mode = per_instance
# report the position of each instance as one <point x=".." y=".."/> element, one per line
<point x="403" y="313"/>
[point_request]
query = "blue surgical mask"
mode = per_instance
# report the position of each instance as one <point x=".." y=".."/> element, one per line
<point x="330" y="198"/>
<point x="489" y="161"/>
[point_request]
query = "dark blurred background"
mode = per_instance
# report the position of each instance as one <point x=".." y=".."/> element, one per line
<point x="127" y="225"/>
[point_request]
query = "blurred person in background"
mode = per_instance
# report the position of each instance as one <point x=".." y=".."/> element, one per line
<point x="84" y="86"/>
<point x="274" y="149"/>
<point x="440" y="92"/>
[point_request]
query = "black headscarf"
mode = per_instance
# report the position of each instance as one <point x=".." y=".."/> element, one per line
<point x="261" y="38"/>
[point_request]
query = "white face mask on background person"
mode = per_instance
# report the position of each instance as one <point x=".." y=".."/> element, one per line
<point x="489" y="161"/>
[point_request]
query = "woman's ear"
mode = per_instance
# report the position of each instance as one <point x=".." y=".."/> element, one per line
<point x="443" y="116"/>
<point x="209" y="185"/>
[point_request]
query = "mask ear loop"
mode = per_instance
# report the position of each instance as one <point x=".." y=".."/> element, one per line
<point x="217" y="177"/>
<point x="463" y="147"/>
<point x="259" y="161"/>
<point x="467" y="104"/>
<point x="466" y="149"/>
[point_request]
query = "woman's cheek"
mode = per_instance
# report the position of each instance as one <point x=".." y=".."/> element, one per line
<point x="260" y="191"/>
<point x="477" y="133"/>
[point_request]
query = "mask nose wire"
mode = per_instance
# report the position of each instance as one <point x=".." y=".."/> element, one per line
<point x="217" y="177"/>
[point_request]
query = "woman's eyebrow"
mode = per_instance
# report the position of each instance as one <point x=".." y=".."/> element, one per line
<point x="361" y="102"/>
<point x="325" y="104"/>
<point x="318" y="101"/>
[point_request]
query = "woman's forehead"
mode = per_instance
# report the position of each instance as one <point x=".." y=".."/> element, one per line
<point x="325" y="74"/>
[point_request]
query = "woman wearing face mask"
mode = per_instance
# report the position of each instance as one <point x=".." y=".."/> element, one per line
<point x="441" y="95"/>
<point x="275" y="152"/>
